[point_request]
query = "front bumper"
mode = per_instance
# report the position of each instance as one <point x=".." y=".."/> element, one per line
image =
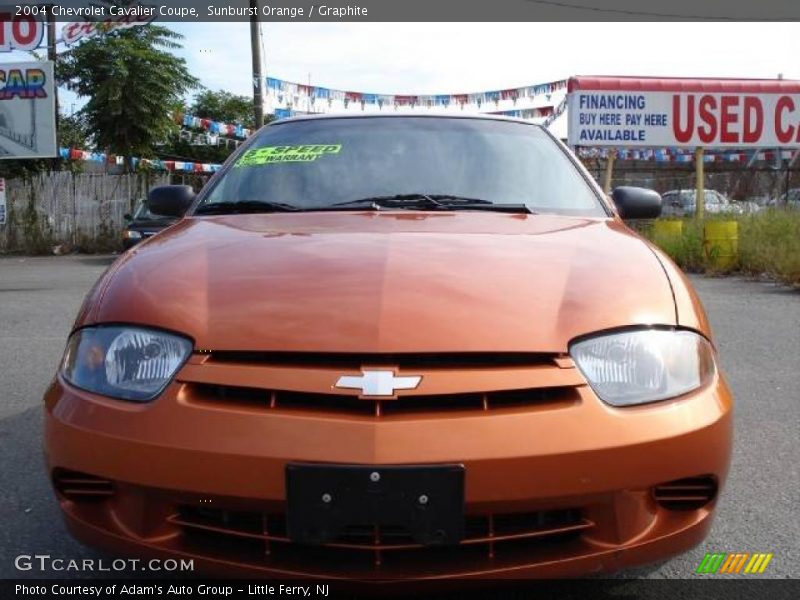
<point x="205" y="480"/>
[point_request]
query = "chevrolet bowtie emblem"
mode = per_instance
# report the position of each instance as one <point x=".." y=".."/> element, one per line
<point x="378" y="383"/>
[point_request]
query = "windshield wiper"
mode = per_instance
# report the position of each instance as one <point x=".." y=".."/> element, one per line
<point x="244" y="206"/>
<point x="452" y="202"/>
<point x="393" y="201"/>
<point x="404" y="201"/>
<point x="435" y="201"/>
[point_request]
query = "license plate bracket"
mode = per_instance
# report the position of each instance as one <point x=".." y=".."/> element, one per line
<point x="325" y="501"/>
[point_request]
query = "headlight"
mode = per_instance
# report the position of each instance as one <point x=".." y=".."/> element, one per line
<point x="635" y="367"/>
<point x="132" y="234"/>
<point x="124" y="362"/>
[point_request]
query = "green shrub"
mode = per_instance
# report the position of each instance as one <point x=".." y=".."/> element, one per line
<point x="769" y="244"/>
<point x="686" y="250"/>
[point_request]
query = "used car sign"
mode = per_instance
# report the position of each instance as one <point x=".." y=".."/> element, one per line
<point x="683" y="112"/>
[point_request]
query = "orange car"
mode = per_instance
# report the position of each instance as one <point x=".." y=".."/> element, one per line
<point x="387" y="347"/>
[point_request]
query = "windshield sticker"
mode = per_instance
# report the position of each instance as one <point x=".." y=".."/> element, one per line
<point x="282" y="154"/>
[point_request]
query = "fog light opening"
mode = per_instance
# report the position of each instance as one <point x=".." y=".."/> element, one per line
<point x="690" y="493"/>
<point x="81" y="486"/>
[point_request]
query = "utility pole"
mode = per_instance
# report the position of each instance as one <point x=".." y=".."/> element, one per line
<point x="699" y="184"/>
<point x="258" y="74"/>
<point x="609" y="175"/>
<point x="52" y="54"/>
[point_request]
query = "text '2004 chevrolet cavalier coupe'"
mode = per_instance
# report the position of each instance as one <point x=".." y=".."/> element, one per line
<point x="387" y="347"/>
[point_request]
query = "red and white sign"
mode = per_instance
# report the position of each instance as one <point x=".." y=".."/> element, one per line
<point x="627" y="111"/>
<point x="19" y="31"/>
<point x="72" y="32"/>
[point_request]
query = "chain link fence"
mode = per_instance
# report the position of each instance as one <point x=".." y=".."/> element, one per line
<point x="762" y="239"/>
<point x="761" y="183"/>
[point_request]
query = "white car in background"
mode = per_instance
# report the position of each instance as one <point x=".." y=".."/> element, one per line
<point x="790" y="199"/>
<point x="680" y="203"/>
<point x="749" y="206"/>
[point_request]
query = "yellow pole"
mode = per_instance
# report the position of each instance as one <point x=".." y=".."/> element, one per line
<point x="699" y="186"/>
<point x="612" y="155"/>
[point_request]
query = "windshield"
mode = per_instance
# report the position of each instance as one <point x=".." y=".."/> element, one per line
<point x="317" y="163"/>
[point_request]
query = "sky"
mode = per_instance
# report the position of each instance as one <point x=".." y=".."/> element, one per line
<point x="427" y="58"/>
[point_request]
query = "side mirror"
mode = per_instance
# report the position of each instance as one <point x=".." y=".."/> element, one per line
<point x="128" y="217"/>
<point x="170" y="200"/>
<point x="636" y="202"/>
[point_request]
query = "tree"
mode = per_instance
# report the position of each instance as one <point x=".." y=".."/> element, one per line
<point x="216" y="105"/>
<point x="223" y="106"/>
<point x="73" y="132"/>
<point x="181" y="149"/>
<point x="132" y="81"/>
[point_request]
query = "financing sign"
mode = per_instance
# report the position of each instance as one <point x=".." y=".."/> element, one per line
<point x="607" y="111"/>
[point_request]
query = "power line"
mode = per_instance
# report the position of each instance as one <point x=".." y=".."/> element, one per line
<point x="642" y="13"/>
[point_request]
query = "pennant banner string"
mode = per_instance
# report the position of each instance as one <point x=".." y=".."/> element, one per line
<point x="234" y="130"/>
<point x="153" y="163"/>
<point x="290" y="93"/>
<point x="681" y="155"/>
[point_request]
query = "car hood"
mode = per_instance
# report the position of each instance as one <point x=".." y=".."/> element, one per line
<point x="387" y="282"/>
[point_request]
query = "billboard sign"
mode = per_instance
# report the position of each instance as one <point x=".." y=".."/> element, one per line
<point x="652" y="112"/>
<point x="27" y="110"/>
<point x="110" y="18"/>
<point x="19" y="31"/>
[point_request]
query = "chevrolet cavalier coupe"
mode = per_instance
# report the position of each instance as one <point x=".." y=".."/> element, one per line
<point x="393" y="347"/>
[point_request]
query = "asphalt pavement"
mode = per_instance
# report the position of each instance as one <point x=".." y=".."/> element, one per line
<point x="757" y="328"/>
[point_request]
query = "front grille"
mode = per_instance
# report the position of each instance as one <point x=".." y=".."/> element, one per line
<point x="289" y="381"/>
<point x="351" y="361"/>
<point x="81" y="486"/>
<point x="260" y="399"/>
<point x="686" y="494"/>
<point x="465" y="382"/>
<point x="261" y="538"/>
